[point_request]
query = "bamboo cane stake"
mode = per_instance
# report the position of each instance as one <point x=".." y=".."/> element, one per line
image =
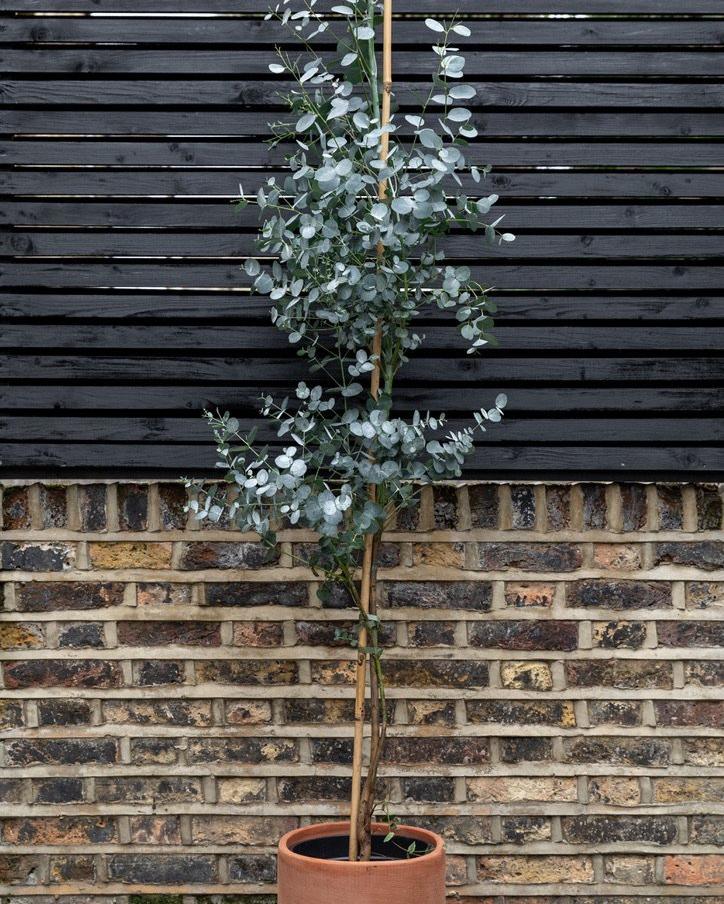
<point x="367" y="601"/>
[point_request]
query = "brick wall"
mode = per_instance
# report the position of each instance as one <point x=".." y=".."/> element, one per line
<point x="173" y="700"/>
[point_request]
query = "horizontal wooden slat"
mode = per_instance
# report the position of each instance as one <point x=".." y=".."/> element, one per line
<point x="126" y="311"/>
<point x="224" y="215"/>
<point x="196" y="430"/>
<point x="260" y="94"/>
<point x="480" y="370"/>
<point x="261" y="338"/>
<point x="660" y="186"/>
<point x="540" y="401"/>
<point x="497" y="462"/>
<point x="494" y="62"/>
<point x="229" y="307"/>
<point x="462" y="246"/>
<point x="256" y="31"/>
<point x="499" y="154"/>
<point x="587" y="7"/>
<point x="183" y="123"/>
<point x="222" y="275"/>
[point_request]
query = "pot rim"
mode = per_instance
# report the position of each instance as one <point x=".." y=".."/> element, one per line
<point x="326" y="829"/>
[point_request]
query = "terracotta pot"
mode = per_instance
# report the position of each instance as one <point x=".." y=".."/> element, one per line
<point x="306" y="879"/>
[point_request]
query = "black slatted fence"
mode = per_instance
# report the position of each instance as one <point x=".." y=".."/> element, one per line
<point x="126" y="127"/>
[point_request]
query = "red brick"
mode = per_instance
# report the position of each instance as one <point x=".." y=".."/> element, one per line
<point x="62" y="673"/>
<point x="521" y="595"/>
<point x="529" y="556"/>
<point x="473" y="595"/>
<point x="690" y="634"/>
<point x="16" y="508"/>
<point x="198" y="556"/>
<point x="163" y="633"/>
<point x="689" y="869"/>
<point x="690" y="712"/>
<point x="524" y="635"/>
<point x="41" y="596"/>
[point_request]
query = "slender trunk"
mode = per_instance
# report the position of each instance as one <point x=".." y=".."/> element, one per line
<point x="363" y="800"/>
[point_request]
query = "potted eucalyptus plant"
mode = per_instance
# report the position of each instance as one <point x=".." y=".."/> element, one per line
<point x="351" y="258"/>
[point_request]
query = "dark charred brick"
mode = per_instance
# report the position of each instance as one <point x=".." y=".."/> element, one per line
<point x="525" y="635"/>
<point x="311" y="788"/>
<point x="249" y="556"/>
<point x="633" y="506"/>
<point x="52" y="506"/>
<point x="521" y="712"/>
<point x="704" y="594"/>
<point x="40" y="596"/>
<point x="62" y="673"/>
<point x="445" y="751"/>
<point x="333" y="750"/>
<point x="142" y="790"/>
<point x="253" y="868"/>
<point x="58" y="791"/>
<point x="92" y="504"/>
<point x="64" y="712"/>
<point x="607" y="829"/>
<point x="705" y="674"/>
<point x="37" y="556"/>
<point x="159" y="751"/>
<point x="242" y="750"/>
<point x="431" y="634"/>
<point x="707" y="830"/>
<point x="708" y="713"/>
<point x="318" y="710"/>
<point x="172" y="498"/>
<point x="158" y="671"/>
<point x="615" y="635"/>
<point x="469" y="595"/>
<point x="623" y="673"/>
<point x="12" y="790"/>
<point x="529" y="556"/>
<point x="690" y="634"/>
<point x="436" y="673"/>
<point x="428" y="788"/>
<point x="132" y="506"/>
<point x="72" y="868"/>
<point x="65" y="752"/>
<point x="558" y="507"/>
<point x="626" y="713"/>
<point x="257" y="593"/>
<point x="617" y="751"/>
<point x="324" y="633"/>
<point x="445" y="507"/>
<point x="522" y="498"/>
<point x="524" y="829"/>
<point x="670" y="507"/>
<point x="483" y="505"/>
<point x="521" y="750"/>
<point x="708" y="507"/>
<point x="11" y="714"/>
<point x="81" y="634"/>
<point x="16" y="508"/>
<point x="594" y="506"/>
<point x="162" y="633"/>
<point x="599" y="593"/>
<point x="60" y="830"/>
<point x="162" y="869"/>
<point x="335" y="596"/>
<point x="248" y="671"/>
<point x="705" y="554"/>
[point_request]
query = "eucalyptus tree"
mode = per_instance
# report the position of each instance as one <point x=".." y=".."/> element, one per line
<point x="350" y="257"/>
